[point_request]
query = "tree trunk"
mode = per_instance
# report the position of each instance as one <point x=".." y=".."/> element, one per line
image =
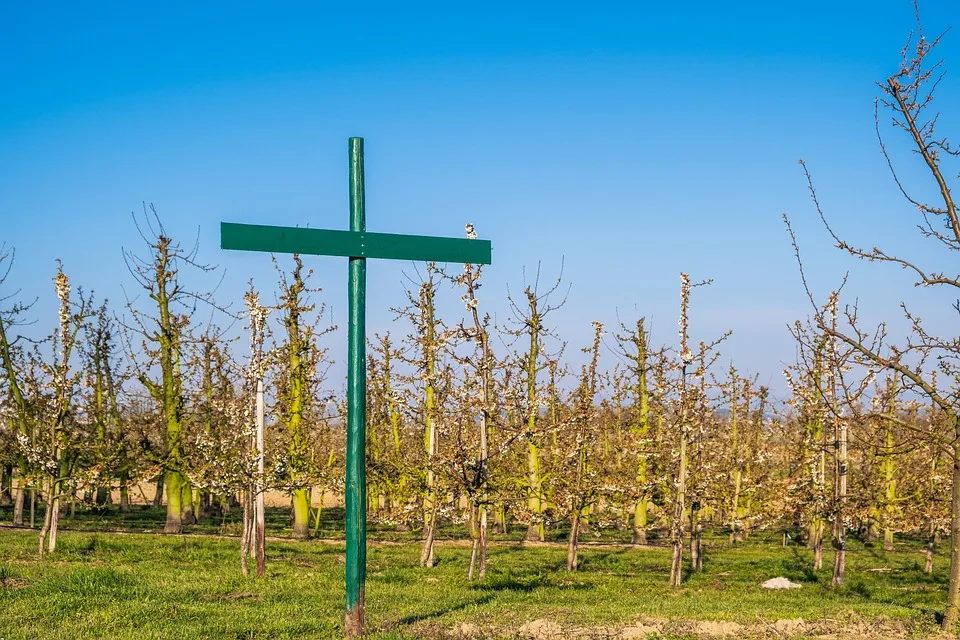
<point x="205" y="504"/>
<point x="890" y="470"/>
<point x="429" y="533"/>
<point x="54" y="522"/>
<point x="483" y="462"/>
<point x="474" y="544"/>
<point x="247" y="534"/>
<point x="259" y="515"/>
<point x="696" y="541"/>
<point x="840" y="528"/>
<point x="640" y="521"/>
<point x="51" y="518"/>
<point x="19" y="492"/>
<point x="931" y="546"/>
<point x="397" y="497"/>
<point x="318" y="515"/>
<point x="870" y="528"/>
<point x="430" y="441"/>
<point x="301" y="513"/>
<point x="536" y="531"/>
<point x="573" y="543"/>
<point x="260" y="536"/>
<point x="816" y="543"/>
<point x="158" y="496"/>
<point x="189" y="516"/>
<point x="6" y="485"/>
<point x="46" y="526"/>
<point x="840" y="557"/>
<point x="174" y="485"/>
<point x="676" y="563"/>
<point x="641" y="431"/>
<point x="676" y="560"/>
<point x="474" y="540"/>
<point x="478" y="550"/>
<point x="483" y="541"/>
<point x="932" y="508"/>
<point x="500" y="518"/>
<point x="429" y="530"/>
<point x="537" y="528"/>
<point x="736" y="535"/>
<point x="124" y="491"/>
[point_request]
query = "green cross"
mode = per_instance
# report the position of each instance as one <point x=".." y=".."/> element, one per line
<point x="357" y="245"/>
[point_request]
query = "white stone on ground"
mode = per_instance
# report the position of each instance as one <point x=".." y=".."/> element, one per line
<point x="780" y="583"/>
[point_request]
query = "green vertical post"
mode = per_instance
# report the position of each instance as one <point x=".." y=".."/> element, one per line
<point x="358" y="245"/>
<point x="356" y="485"/>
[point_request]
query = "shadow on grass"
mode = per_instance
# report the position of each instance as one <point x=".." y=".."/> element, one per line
<point x="799" y="568"/>
<point x="509" y="582"/>
<point x="540" y="560"/>
<point x="420" y="617"/>
<point x="871" y="595"/>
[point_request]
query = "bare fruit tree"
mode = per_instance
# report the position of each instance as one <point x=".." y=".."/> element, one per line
<point x="163" y="338"/>
<point x="908" y="96"/>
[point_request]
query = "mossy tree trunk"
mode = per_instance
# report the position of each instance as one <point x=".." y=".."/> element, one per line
<point x="535" y="502"/>
<point x="161" y="282"/>
<point x="299" y="359"/>
<point x="640" y="426"/>
<point x="430" y="347"/>
<point x="889" y="466"/>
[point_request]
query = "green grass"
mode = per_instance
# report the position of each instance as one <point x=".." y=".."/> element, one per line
<point x="123" y="585"/>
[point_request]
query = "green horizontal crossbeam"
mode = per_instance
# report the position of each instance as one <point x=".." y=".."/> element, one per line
<point x="353" y="244"/>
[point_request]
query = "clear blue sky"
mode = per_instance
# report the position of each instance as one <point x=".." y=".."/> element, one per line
<point x="634" y="139"/>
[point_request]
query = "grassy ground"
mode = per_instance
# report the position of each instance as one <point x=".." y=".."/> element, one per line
<point x="135" y="585"/>
<point x="145" y="519"/>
